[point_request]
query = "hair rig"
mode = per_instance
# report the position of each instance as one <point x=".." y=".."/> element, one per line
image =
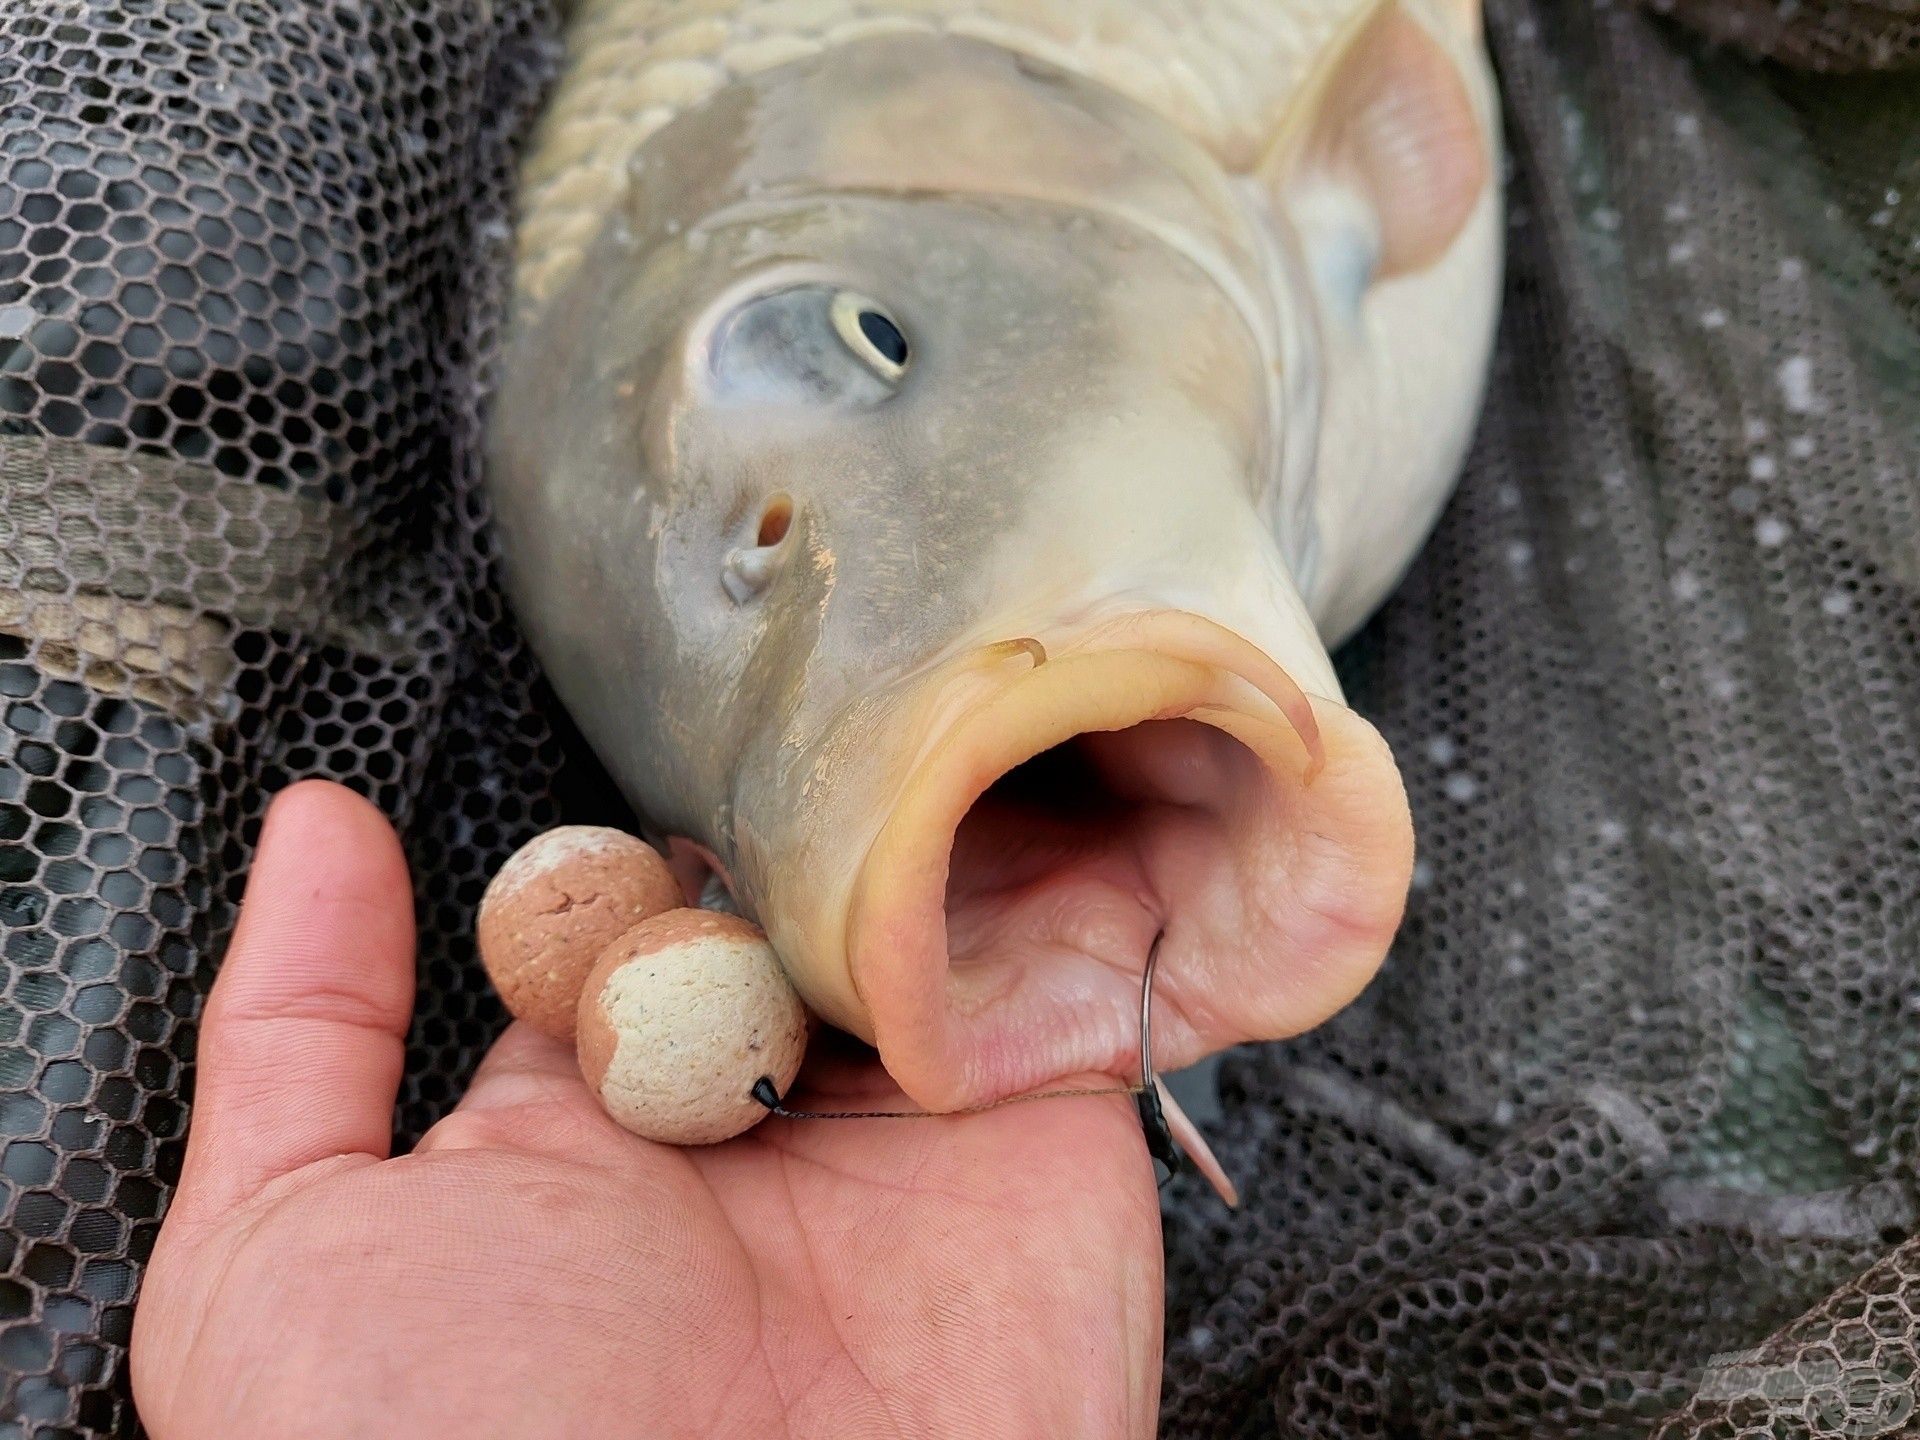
<point x="1150" y="1097"/>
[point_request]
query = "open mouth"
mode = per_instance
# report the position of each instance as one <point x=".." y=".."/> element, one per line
<point x="1160" y="777"/>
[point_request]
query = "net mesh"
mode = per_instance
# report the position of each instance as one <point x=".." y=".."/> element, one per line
<point x="250" y="261"/>
<point x="1622" y="1142"/>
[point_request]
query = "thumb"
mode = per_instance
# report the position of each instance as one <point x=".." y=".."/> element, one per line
<point x="302" y="1042"/>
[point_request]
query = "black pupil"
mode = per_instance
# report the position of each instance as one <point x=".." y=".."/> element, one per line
<point x="884" y="336"/>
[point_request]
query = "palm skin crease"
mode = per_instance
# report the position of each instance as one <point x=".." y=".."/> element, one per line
<point x="533" y="1271"/>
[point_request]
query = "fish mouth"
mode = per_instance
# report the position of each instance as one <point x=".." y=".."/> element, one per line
<point x="1159" y="776"/>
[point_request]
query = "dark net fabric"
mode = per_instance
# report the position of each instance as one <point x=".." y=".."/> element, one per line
<point x="250" y="261"/>
<point x="1623" y="1141"/>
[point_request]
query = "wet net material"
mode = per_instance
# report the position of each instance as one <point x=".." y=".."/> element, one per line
<point x="250" y="262"/>
<point x="1621" y="1144"/>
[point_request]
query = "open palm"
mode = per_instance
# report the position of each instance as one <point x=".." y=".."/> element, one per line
<point x="531" y="1270"/>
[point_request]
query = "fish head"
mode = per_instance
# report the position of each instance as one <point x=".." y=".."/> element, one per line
<point x="898" y="528"/>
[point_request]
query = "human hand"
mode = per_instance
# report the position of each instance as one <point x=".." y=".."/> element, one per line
<point x="531" y="1270"/>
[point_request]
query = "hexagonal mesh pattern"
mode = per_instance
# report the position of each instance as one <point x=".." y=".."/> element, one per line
<point x="1623" y="1141"/>
<point x="249" y="256"/>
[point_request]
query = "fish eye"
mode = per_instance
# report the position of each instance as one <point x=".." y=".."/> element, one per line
<point x="874" y="336"/>
<point x="801" y="345"/>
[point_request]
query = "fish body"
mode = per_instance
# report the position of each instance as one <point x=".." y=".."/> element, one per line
<point x="935" y="445"/>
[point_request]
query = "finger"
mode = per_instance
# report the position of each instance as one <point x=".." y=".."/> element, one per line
<point x="522" y="1067"/>
<point x="528" y="1096"/>
<point x="302" y="1043"/>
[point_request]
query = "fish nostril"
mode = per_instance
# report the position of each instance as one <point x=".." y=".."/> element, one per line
<point x="749" y="569"/>
<point x="775" y="521"/>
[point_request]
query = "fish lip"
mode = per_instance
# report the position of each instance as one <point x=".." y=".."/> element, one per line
<point x="1110" y="676"/>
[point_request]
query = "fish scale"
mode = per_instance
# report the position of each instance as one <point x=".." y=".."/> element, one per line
<point x="1222" y="70"/>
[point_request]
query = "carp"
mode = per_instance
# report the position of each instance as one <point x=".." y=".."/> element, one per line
<point x="935" y="445"/>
